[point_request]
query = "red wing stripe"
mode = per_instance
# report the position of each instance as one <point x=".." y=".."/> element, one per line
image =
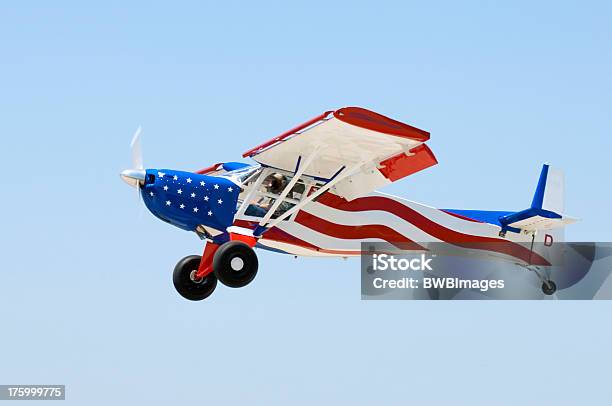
<point x="432" y="228"/>
<point x="356" y="232"/>
<point x="255" y="150"/>
<point x="370" y="120"/>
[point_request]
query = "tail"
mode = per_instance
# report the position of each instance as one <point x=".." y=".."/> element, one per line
<point x="546" y="211"/>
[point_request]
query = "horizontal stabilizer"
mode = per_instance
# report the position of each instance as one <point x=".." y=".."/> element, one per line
<point x="535" y="219"/>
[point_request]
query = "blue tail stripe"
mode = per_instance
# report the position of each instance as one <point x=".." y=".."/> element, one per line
<point x="485" y="216"/>
<point x="538" y="197"/>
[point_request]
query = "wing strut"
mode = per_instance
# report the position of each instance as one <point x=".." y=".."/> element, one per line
<point x="299" y="172"/>
<point x="342" y="173"/>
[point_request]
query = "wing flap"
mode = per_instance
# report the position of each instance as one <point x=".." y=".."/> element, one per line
<point x="385" y="172"/>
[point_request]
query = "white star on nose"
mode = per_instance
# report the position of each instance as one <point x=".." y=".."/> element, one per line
<point x="167" y="202"/>
<point x="216" y="186"/>
<point x="229" y="189"/>
<point x="165" y="187"/>
<point x="175" y="177"/>
<point x="182" y="206"/>
<point x="209" y="213"/>
<point x="219" y="201"/>
<point x="195" y="209"/>
<point x="160" y="174"/>
<point x="179" y="191"/>
<point x="193" y="195"/>
<point x="205" y="198"/>
<point x="202" y="183"/>
<point x="151" y="193"/>
<point x="188" y="180"/>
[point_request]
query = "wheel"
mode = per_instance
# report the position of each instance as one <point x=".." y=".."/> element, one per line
<point x="549" y="287"/>
<point x="186" y="284"/>
<point x="235" y="264"/>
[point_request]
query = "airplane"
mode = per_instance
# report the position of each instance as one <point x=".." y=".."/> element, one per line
<point x="311" y="191"/>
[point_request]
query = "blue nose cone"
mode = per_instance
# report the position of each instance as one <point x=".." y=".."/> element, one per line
<point x="186" y="199"/>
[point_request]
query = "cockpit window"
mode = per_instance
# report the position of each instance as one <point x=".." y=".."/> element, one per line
<point x="242" y="175"/>
<point x="269" y="190"/>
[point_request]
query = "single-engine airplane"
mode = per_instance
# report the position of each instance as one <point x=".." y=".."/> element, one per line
<point x="311" y="192"/>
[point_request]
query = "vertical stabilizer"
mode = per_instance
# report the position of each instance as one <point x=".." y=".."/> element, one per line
<point x="550" y="192"/>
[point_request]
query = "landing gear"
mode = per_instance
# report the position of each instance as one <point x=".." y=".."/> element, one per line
<point x="187" y="284"/>
<point x="235" y="264"/>
<point x="549" y="287"/>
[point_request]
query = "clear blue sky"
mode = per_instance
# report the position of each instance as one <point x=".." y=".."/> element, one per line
<point x="86" y="297"/>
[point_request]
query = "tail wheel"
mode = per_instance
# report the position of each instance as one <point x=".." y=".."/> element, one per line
<point x="185" y="282"/>
<point x="549" y="287"/>
<point x="235" y="264"/>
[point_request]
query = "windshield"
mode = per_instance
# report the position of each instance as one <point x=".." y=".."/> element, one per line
<point x="242" y="175"/>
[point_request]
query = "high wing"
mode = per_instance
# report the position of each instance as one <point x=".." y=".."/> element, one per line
<point x="371" y="150"/>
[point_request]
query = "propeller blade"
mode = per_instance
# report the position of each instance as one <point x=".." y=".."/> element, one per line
<point x="136" y="148"/>
<point x="135" y="176"/>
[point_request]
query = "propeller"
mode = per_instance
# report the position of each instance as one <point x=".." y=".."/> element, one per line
<point x="135" y="176"/>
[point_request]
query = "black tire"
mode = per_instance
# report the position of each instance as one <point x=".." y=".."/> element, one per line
<point x="549" y="287"/>
<point x="235" y="264"/>
<point x="184" y="283"/>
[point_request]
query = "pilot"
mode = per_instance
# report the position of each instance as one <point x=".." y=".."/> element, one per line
<point x="273" y="184"/>
<point x="276" y="183"/>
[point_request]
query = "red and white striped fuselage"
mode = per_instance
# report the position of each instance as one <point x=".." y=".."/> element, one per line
<point x="333" y="226"/>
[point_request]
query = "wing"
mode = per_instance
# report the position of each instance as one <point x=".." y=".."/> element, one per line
<point x="376" y="149"/>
